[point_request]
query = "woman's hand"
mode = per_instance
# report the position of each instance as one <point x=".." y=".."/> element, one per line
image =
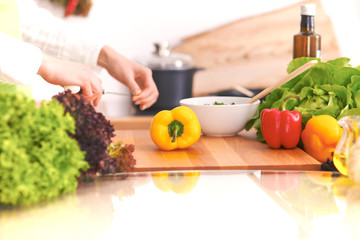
<point x="135" y="76"/>
<point x="66" y="73"/>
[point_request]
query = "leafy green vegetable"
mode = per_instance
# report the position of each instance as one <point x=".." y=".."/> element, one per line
<point x="43" y="150"/>
<point x="220" y="103"/>
<point x="93" y="133"/>
<point x="38" y="159"/>
<point x="12" y="88"/>
<point x="123" y="156"/>
<point x="331" y="88"/>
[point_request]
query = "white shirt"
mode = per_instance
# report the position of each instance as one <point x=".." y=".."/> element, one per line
<point x="42" y="33"/>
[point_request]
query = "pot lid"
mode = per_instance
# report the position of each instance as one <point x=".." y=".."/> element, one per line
<point x="163" y="58"/>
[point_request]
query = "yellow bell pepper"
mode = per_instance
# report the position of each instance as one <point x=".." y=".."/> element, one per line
<point x="178" y="128"/>
<point x="177" y="182"/>
<point x="320" y="137"/>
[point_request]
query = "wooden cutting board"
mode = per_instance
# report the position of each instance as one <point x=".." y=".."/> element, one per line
<point x="241" y="152"/>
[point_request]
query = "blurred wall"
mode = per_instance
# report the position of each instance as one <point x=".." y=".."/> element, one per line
<point x="345" y="16"/>
<point x="133" y="26"/>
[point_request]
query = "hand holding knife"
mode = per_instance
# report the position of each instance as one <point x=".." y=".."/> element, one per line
<point x="78" y="90"/>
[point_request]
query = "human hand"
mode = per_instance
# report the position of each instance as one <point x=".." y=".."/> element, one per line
<point x="66" y="73"/>
<point x="135" y="76"/>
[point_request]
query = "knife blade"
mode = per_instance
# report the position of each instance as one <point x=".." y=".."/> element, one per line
<point x="78" y="90"/>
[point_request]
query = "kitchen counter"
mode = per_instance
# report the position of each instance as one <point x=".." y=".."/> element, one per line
<point x="225" y="204"/>
<point x="220" y="188"/>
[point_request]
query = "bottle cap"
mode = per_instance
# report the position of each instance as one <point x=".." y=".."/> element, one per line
<point x="308" y="9"/>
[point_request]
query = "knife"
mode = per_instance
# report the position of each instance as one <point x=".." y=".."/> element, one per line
<point x="78" y="90"/>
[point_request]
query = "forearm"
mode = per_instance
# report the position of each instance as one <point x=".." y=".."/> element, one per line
<point x="109" y="59"/>
<point x="45" y="70"/>
<point x="19" y="61"/>
<point x="136" y="77"/>
<point x="66" y="73"/>
<point x="117" y="65"/>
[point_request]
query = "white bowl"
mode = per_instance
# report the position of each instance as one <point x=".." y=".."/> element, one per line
<point x="221" y="120"/>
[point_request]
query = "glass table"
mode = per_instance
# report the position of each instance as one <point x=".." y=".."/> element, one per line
<point x="226" y="204"/>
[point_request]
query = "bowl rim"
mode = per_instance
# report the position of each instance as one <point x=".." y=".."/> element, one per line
<point x="184" y="101"/>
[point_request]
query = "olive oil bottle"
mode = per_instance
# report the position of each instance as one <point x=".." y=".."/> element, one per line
<point x="340" y="163"/>
<point x="307" y="43"/>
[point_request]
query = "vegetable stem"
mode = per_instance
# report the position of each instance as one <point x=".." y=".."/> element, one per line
<point x="176" y="129"/>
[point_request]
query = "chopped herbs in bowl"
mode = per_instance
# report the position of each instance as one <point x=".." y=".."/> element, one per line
<point x="221" y="115"/>
<point x="219" y="103"/>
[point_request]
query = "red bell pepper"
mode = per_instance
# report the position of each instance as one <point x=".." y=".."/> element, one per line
<point x="70" y="7"/>
<point x="281" y="127"/>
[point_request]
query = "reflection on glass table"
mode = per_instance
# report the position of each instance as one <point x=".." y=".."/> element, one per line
<point x="195" y="205"/>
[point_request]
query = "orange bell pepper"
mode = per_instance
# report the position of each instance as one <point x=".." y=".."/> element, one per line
<point x="320" y="137"/>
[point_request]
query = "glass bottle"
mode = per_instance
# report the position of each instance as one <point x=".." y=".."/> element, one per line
<point x="347" y="145"/>
<point x="307" y="43"/>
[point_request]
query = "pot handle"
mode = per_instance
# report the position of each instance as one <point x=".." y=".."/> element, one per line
<point x="199" y="69"/>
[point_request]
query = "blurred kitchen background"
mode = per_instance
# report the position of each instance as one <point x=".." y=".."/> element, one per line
<point x="238" y="43"/>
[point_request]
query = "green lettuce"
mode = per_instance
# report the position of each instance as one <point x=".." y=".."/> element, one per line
<point x="38" y="158"/>
<point x="331" y="88"/>
<point x="12" y="88"/>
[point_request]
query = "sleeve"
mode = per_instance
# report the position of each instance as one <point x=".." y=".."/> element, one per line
<point x="55" y="37"/>
<point x="19" y="61"/>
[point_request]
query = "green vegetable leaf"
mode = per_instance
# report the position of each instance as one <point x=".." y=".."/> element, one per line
<point x="340" y="62"/>
<point x="331" y="88"/>
<point x="12" y="88"/>
<point x="298" y="62"/>
<point x="349" y="112"/>
<point x="354" y="88"/>
<point x="38" y="159"/>
<point x="341" y="92"/>
<point x="295" y="64"/>
<point x="343" y="76"/>
<point x="315" y="76"/>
